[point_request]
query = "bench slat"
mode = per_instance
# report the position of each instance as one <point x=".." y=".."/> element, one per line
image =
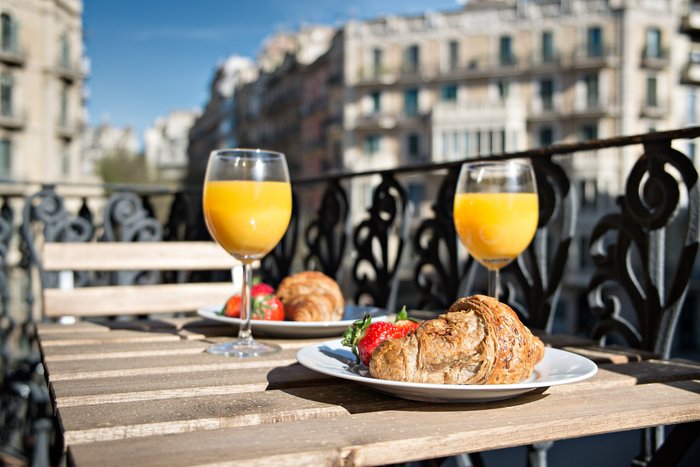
<point x="150" y="256"/>
<point x="137" y="299"/>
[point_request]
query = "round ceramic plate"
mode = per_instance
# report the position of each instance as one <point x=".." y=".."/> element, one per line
<point x="557" y="367"/>
<point x="299" y="329"/>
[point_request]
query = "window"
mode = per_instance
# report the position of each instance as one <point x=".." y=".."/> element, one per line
<point x="547" y="93"/>
<point x="411" y="59"/>
<point x="467" y="144"/>
<point x="589" y="193"/>
<point x="692" y="106"/>
<point x="410" y="102"/>
<point x="413" y="145"/>
<point x="63" y="115"/>
<point x="505" y="51"/>
<point x="594" y="44"/>
<point x="376" y="98"/>
<point x="651" y="94"/>
<point x="65" y="51"/>
<point x="479" y="143"/>
<point x="502" y="138"/>
<point x="377" y="60"/>
<point x="8" y="33"/>
<point x="372" y="144"/>
<point x="592" y="95"/>
<point x="416" y="193"/>
<point x="337" y="155"/>
<point x="691" y="150"/>
<point x="6" y="94"/>
<point x="589" y="132"/>
<point x="5" y="157"/>
<point x="547" y="47"/>
<point x="65" y="159"/>
<point x="449" y="93"/>
<point x="503" y="89"/>
<point x="453" y="55"/>
<point x="546" y="136"/>
<point x="652" y="48"/>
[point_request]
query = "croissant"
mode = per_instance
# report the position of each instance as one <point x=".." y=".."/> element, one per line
<point x="311" y="296"/>
<point x="479" y="340"/>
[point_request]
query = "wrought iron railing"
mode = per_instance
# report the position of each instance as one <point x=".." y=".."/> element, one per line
<point x="387" y="247"/>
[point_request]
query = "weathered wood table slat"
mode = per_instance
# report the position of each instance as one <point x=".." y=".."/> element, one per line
<point x="146" y="393"/>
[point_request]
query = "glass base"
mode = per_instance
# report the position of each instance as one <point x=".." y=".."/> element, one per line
<point x="243" y="349"/>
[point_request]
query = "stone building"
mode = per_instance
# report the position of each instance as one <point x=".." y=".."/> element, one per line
<point x="42" y="73"/>
<point x="215" y="126"/>
<point x="165" y="145"/>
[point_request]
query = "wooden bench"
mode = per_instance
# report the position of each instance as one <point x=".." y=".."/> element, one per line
<point x="116" y="300"/>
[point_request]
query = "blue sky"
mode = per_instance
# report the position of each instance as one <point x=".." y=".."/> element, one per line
<point x="151" y="57"/>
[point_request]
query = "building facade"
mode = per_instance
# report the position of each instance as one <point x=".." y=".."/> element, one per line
<point x="502" y="76"/>
<point x="493" y="76"/>
<point x="106" y="140"/>
<point x="42" y="73"/>
<point x="166" y="143"/>
<point x="215" y="126"/>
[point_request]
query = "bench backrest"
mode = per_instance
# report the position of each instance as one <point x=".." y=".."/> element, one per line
<point x="115" y="300"/>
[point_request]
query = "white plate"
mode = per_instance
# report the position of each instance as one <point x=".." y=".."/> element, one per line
<point x="299" y="329"/>
<point x="557" y="367"/>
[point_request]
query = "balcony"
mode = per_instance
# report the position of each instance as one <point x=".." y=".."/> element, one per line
<point x="71" y="71"/>
<point x="690" y="23"/>
<point x="594" y="109"/>
<point x="376" y="76"/>
<point x="550" y="62"/>
<point x="691" y="72"/>
<point x="545" y="110"/>
<point x="68" y="128"/>
<point x="377" y="120"/>
<point x="13" y="56"/>
<point x="430" y="272"/>
<point x="655" y="59"/>
<point x="655" y="110"/>
<point x="12" y="119"/>
<point x="588" y="57"/>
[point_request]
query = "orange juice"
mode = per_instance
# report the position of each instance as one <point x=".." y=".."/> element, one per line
<point x="495" y="227"/>
<point x="247" y="217"/>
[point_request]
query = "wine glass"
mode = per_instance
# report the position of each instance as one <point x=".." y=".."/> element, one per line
<point x="496" y="212"/>
<point x="247" y="203"/>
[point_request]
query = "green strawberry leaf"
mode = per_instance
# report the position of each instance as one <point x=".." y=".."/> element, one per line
<point x="354" y="333"/>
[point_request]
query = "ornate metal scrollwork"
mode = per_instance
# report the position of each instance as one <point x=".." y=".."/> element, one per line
<point x="438" y="271"/>
<point x="325" y="236"/>
<point x="180" y="224"/>
<point x="537" y="273"/>
<point x="46" y="219"/>
<point x="6" y="231"/>
<point x="278" y="263"/>
<point x="379" y="242"/>
<point x="635" y="261"/>
<point x="126" y="219"/>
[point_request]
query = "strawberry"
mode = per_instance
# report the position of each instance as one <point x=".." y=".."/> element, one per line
<point x="267" y="307"/>
<point x="232" y="309"/>
<point x="364" y="336"/>
<point x="265" y="304"/>
<point x="261" y="289"/>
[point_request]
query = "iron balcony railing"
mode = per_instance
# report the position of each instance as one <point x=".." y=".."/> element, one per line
<point x="621" y="268"/>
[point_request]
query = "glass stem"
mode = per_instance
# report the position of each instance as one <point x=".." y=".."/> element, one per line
<point x="244" y="333"/>
<point x="493" y="283"/>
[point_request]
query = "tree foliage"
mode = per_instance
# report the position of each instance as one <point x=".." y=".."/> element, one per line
<point x="122" y="166"/>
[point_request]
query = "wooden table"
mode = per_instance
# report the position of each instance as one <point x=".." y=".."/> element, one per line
<point x="146" y="393"/>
